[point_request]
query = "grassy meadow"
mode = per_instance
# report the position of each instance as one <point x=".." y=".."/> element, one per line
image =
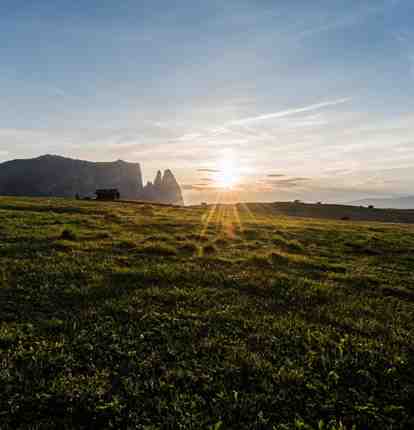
<point x="117" y="315"/>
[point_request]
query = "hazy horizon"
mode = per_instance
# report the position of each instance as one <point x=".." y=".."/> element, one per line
<point x="251" y="99"/>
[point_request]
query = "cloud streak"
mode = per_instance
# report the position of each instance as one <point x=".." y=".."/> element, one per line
<point x="208" y="170"/>
<point x="288" y="112"/>
<point x="288" y="182"/>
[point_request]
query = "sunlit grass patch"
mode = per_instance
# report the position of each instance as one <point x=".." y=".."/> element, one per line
<point x="66" y="246"/>
<point x="259" y="260"/>
<point x="279" y="258"/>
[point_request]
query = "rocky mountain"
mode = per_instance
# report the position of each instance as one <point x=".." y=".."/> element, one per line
<point x="166" y="186"/>
<point x="52" y="175"/>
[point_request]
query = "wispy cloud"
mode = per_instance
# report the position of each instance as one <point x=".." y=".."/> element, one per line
<point x="245" y="132"/>
<point x="57" y="92"/>
<point x="188" y="136"/>
<point x="358" y="16"/>
<point x="208" y="170"/>
<point x="188" y="187"/>
<point x="200" y="187"/>
<point x="288" y="112"/>
<point x="288" y="182"/>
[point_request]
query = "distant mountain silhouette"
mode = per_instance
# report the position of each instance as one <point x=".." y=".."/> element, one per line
<point x="165" y="189"/>
<point x="389" y="203"/>
<point x="52" y="175"/>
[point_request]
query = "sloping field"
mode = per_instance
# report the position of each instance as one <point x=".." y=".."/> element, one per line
<point x="117" y="315"/>
<point x="338" y="212"/>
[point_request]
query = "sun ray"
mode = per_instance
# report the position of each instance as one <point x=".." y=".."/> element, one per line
<point x="248" y="211"/>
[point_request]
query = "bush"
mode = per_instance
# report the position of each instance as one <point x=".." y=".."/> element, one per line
<point x="209" y="249"/>
<point x="68" y="234"/>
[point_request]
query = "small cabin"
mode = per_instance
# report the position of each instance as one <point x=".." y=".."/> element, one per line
<point x="107" y="194"/>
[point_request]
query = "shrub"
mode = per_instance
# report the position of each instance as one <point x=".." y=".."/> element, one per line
<point x="209" y="249"/>
<point x="68" y="234"/>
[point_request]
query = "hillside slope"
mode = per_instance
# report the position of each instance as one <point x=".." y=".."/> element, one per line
<point x="330" y="211"/>
<point x="116" y="315"/>
<point x="396" y="202"/>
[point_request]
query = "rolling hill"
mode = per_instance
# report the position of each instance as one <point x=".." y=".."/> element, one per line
<point x="328" y="211"/>
<point x="395" y="203"/>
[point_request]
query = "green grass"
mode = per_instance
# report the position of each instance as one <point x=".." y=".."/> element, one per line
<point x="116" y="315"/>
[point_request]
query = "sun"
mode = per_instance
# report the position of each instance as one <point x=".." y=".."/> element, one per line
<point x="227" y="180"/>
<point x="228" y="176"/>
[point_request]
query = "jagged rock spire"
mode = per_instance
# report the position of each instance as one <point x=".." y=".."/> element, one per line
<point x="164" y="189"/>
<point x="171" y="190"/>
<point x="158" y="179"/>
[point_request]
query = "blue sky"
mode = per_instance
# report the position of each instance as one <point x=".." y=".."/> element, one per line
<point x="318" y="93"/>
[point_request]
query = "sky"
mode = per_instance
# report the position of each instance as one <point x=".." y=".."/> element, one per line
<point x="258" y="99"/>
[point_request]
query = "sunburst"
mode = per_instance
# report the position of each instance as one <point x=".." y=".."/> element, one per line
<point x="228" y="176"/>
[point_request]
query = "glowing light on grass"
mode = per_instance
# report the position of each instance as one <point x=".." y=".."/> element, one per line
<point x="224" y="212"/>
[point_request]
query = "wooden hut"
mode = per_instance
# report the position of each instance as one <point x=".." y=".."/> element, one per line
<point x="107" y="194"/>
